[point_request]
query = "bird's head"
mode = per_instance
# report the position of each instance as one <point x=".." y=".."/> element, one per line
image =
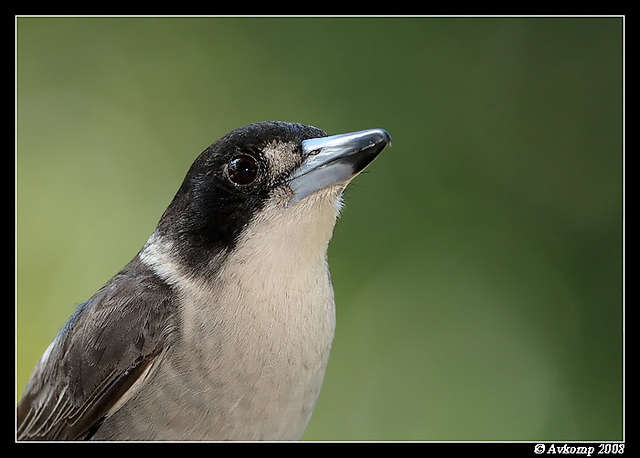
<point x="268" y="176"/>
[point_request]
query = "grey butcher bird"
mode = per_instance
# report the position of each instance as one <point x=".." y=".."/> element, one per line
<point x="220" y="327"/>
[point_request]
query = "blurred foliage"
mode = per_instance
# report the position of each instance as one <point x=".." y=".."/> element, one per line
<point x="478" y="263"/>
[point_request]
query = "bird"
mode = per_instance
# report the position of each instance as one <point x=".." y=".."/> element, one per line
<point x="220" y="327"/>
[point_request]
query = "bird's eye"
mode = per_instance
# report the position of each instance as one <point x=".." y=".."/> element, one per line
<point x="242" y="169"/>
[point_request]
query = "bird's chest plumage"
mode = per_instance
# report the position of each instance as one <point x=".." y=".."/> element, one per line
<point x="262" y="356"/>
<point x="250" y="359"/>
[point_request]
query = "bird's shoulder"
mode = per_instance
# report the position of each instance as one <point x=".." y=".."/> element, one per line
<point x="102" y="350"/>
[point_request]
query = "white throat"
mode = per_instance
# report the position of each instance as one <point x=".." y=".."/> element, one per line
<point x="263" y="326"/>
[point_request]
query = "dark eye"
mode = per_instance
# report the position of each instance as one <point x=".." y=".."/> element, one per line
<point x="242" y="169"/>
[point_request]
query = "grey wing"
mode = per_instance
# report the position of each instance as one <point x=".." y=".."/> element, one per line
<point x="104" y="348"/>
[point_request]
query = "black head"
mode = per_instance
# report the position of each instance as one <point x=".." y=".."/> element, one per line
<point x="229" y="183"/>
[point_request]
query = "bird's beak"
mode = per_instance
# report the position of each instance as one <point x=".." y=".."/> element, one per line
<point x="335" y="160"/>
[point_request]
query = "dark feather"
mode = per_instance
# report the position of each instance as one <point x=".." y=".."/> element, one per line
<point x="81" y="379"/>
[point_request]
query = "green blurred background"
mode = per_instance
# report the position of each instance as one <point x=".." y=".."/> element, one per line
<point x="478" y="263"/>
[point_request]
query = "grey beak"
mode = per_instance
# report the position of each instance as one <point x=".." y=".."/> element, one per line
<point x="335" y="160"/>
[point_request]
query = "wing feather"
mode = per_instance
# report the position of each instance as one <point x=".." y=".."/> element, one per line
<point x="96" y="358"/>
